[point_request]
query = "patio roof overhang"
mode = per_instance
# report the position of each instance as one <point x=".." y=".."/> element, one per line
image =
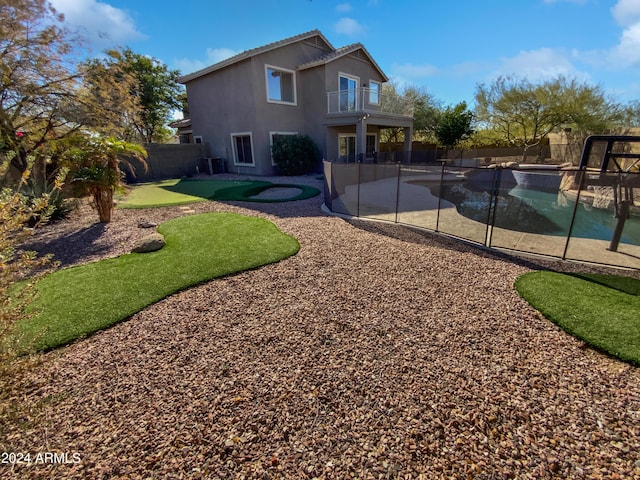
<point x="385" y="120"/>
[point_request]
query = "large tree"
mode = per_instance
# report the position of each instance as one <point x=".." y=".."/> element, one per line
<point x="524" y="113"/>
<point x="454" y="125"/>
<point x="38" y="81"/>
<point x="157" y="92"/>
<point x="632" y="113"/>
<point x="108" y="102"/>
<point x="410" y="101"/>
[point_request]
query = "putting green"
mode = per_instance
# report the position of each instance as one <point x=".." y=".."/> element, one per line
<point x="167" y="193"/>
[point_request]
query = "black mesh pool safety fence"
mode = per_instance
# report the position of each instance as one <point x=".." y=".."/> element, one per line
<point x="588" y="212"/>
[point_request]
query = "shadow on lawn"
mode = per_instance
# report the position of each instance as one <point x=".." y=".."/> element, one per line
<point x="207" y="189"/>
<point x="620" y="283"/>
<point x="240" y="190"/>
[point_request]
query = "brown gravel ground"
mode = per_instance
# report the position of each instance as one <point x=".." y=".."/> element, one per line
<point x="377" y="351"/>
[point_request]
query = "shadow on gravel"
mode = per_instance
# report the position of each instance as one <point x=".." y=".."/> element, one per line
<point x="64" y="249"/>
<point x="421" y="237"/>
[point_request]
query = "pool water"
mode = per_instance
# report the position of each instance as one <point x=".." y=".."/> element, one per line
<point x="534" y="211"/>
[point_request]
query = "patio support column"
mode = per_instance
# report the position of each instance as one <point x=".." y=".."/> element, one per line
<point x="361" y="137"/>
<point x="408" y="136"/>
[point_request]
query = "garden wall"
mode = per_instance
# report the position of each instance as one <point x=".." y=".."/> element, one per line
<point x="168" y="161"/>
<point x="431" y="152"/>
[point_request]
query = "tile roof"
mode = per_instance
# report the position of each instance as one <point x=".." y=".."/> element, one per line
<point x="183" y="123"/>
<point x="341" y="52"/>
<point x="252" y="52"/>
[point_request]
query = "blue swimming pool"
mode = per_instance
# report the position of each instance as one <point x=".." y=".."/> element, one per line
<point x="533" y="211"/>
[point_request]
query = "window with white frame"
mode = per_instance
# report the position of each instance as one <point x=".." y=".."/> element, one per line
<point x="242" y="148"/>
<point x="347" y="146"/>
<point x="348" y="92"/>
<point x="281" y="85"/>
<point x="275" y="136"/>
<point x="374" y="92"/>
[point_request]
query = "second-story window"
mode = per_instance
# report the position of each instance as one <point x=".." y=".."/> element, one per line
<point x="281" y="85"/>
<point x="374" y="92"/>
<point x="348" y="92"/>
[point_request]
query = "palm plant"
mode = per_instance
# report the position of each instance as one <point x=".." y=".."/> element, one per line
<point x="96" y="169"/>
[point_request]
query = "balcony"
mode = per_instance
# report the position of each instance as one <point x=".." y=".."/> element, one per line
<point x="366" y="100"/>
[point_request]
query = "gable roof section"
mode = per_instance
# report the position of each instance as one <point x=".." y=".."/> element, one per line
<point x="355" y="48"/>
<point x="313" y="34"/>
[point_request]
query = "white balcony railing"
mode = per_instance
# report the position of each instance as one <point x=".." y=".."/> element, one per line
<point x="367" y="100"/>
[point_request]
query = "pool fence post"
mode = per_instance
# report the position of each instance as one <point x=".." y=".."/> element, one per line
<point x="623" y="214"/>
<point x="358" y="191"/>
<point x="440" y="195"/>
<point x="583" y="175"/>
<point x="398" y="191"/>
<point x="493" y="203"/>
<point x="330" y="185"/>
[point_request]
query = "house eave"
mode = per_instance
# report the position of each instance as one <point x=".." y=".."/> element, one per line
<point x="373" y="118"/>
<point x="252" y="53"/>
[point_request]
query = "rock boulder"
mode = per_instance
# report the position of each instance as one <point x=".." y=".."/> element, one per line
<point x="150" y="243"/>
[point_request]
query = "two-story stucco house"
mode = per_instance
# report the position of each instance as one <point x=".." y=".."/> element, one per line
<point x="299" y="85"/>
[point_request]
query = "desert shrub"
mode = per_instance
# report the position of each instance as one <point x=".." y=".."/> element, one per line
<point x="19" y="214"/>
<point x="57" y="205"/>
<point x="294" y="154"/>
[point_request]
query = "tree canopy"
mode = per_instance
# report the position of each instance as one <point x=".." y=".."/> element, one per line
<point x="157" y="92"/>
<point x="38" y="79"/>
<point x="453" y="125"/>
<point x="107" y="100"/>
<point x="524" y="113"/>
<point x="424" y="107"/>
<point x="632" y="113"/>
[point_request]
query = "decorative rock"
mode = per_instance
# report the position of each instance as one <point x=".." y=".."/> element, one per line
<point x="147" y="224"/>
<point x="150" y="243"/>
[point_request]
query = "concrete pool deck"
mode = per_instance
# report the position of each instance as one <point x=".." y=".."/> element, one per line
<point x="418" y="207"/>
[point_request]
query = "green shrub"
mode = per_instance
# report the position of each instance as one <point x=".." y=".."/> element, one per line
<point x="57" y="205"/>
<point x="294" y="154"/>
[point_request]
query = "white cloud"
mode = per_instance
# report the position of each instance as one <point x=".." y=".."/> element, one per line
<point x="412" y="71"/>
<point x="213" y="55"/>
<point x="410" y="74"/>
<point x="541" y="64"/>
<point x="348" y="26"/>
<point x="344" y="7"/>
<point x="627" y="12"/>
<point x="100" y="23"/>
<point x="627" y="52"/>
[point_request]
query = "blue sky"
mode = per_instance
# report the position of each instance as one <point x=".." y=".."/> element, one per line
<point x="447" y="47"/>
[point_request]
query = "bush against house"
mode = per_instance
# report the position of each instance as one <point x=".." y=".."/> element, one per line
<point x="294" y="154"/>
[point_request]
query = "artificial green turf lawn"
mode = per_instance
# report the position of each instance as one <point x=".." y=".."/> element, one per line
<point x="78" y="301"/>
<point x="174" y="192"/>
<point x="602" y="310"/>
<point x="247" y="192"/>
<point x="166" y="193"/>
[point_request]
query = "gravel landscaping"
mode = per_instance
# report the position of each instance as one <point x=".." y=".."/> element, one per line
<point x="378" y="351"/>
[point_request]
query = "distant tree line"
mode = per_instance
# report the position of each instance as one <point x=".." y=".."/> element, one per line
<point x="515" y="112"/>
